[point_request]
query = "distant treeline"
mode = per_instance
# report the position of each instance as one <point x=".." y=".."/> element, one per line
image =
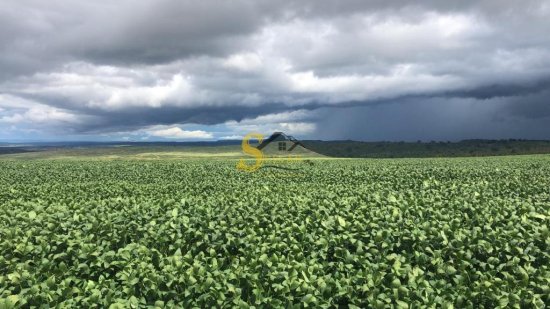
<point x="345" y="149"/>
<point x="466" y="148"/>
<point x="10" y="150"/>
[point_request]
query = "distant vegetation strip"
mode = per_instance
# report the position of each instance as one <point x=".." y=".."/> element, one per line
<point x="342" y="149"/>
<point x="466" y="148"/>
<point x="11" y="150"/>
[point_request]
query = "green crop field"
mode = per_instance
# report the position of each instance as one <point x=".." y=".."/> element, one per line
<point x="441" y="233"/>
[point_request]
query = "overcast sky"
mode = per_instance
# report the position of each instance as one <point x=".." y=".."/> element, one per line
<point x="208" y="70"/>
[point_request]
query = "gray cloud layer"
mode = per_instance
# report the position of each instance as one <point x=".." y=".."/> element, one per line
<point x="353" y="69"/>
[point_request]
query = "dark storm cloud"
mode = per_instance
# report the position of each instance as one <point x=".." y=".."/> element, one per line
<point x="532" y="106"/>
<point x="438" y="119"/>
<point x="129" y="120"/>
<point x="101" y="66"/>
<point x="504" y="90"/>
<point x="162" y="31"/>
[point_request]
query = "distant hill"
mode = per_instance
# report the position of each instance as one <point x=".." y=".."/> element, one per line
<point x="465" y="148"/>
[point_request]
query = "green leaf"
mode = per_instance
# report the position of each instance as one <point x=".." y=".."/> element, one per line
<point x="341" y="221"/>
<point x="32" y="215"/>
<point x="14" y="299"/>
<point x="396" y="283"/>
<point x="451" y="270"/>
<point x="538" y="216"/>
<point x="309" y="298"/>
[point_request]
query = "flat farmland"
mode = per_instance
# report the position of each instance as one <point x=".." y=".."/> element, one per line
<point x="462" y="232"/>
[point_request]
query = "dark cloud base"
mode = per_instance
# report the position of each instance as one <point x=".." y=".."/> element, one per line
<point x="439" y="119"/>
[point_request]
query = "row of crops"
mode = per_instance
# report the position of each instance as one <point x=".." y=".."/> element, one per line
<point x="463" y="233"/>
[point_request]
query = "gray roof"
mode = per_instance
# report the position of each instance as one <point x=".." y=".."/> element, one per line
<point x="277" y="135"/>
